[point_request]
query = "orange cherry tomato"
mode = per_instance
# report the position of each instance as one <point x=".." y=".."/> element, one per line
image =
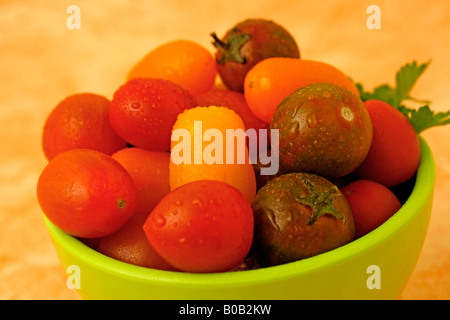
<point x="273" y="79"/>
<point x="184" y="62"/>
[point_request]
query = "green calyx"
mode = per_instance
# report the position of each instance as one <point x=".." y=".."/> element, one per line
<point x="230" y="49"/>
<point x="320" y="202"/>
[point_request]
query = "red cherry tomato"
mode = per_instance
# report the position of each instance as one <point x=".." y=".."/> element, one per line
<point x="143" y="111"/>
<point x="202" y="226"/>
<point x="371" y="204"/>
<point x="86" y="193"/>
<point x="150" y="173"/>
<point x="394" y="154"/>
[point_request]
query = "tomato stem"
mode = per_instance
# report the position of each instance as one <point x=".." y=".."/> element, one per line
<point x="230" y="49"/>
<point x="321" y="202"/>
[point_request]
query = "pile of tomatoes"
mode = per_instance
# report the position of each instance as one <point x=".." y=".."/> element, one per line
<point x="112" y="182"/>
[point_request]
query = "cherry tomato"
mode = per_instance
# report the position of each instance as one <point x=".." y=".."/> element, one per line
<point x="143" y="111"/>
<point x="273" y="79"/>
<point x="86" y="193"/>
<point x="150" y="173"/>
<point x="233" y="100"/>
<point x="202" y="226"/>
<point x="129" y="244"/>
<point x="80" y="121"/>
<point x="394" y="154"/>
<point x="184" y="62"/>
<point x="371" y="204"/>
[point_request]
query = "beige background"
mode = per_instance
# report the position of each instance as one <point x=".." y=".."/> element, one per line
<point x="41" y="62"/>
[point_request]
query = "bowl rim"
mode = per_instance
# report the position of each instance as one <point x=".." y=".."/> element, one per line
<point x="423" y="189"/>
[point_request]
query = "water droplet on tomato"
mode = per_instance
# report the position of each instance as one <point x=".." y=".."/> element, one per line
<point x="198" y="203"/>
<point x="293" y="130"/>
<point x="311" y="120"/>
<point x="135" y="105"/>
<point x="326" y="94"/>
<point x="160" y="221"/>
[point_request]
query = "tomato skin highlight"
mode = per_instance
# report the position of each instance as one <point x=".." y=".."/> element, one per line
<point x="86" y="193"/>
<point x="371" y="204"/>
<point x="202" y="226"/>
<point x="394" y="154"/>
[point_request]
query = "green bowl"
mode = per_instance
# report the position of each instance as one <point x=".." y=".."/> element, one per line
<point x="375" y="266"/>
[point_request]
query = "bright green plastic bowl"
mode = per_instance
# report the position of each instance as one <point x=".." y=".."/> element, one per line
<point x="375" y="266"/>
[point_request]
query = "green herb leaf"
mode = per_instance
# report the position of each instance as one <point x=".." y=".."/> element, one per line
<point x="425" y="118"/>
<point x="406" y="77"/>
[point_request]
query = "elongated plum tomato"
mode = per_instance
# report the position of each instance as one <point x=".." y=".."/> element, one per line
<point x="86" y="193"/>
<point x="394" y="154"/>
<point x="184" y="62"/>
<point x="273" y="79"/>
<point x="202" y="226"/>
<point x="217" y="161"/>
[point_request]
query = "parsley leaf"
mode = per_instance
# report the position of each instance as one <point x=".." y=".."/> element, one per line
<point x="425" y="118"/>
<point x="406" y="77"/>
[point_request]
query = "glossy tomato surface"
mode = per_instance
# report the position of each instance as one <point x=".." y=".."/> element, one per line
<point x="202" y="226"/>
<point x="86" y="193"/>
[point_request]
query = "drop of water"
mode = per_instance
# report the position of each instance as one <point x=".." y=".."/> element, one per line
<point x="326" y="94"/>
<point x="293" y="128"/>
<point x="311" y="120"/>
<point x="160" y="221"/>
<point x="198" y="203"/>
<point x="135" y="105"/>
